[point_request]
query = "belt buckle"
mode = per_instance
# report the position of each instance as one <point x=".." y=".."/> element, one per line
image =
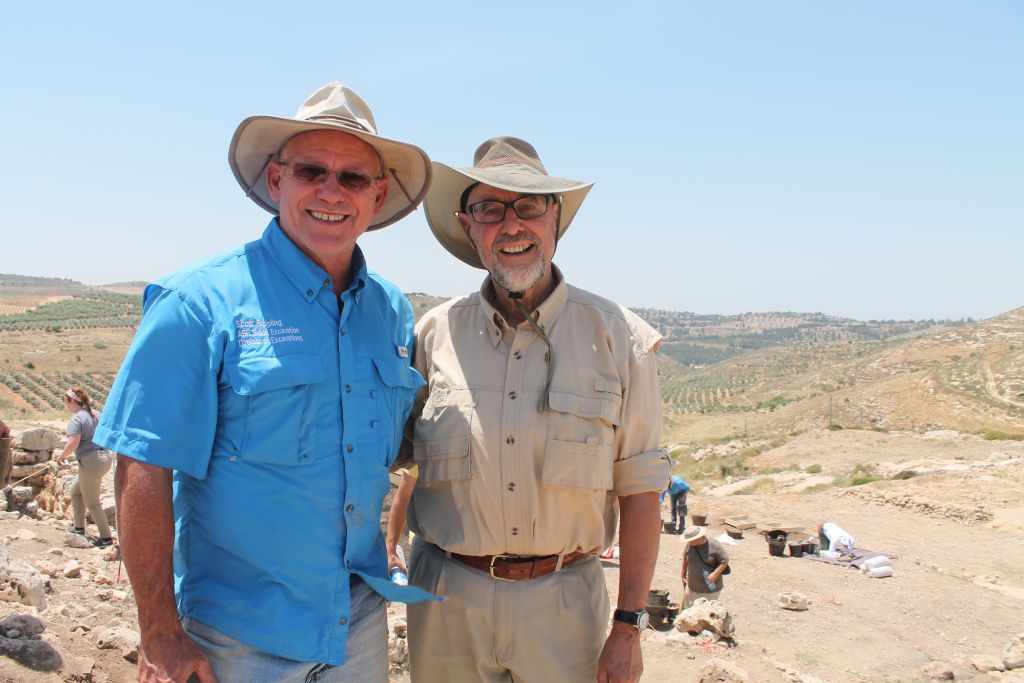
<point x="495" y="558"/>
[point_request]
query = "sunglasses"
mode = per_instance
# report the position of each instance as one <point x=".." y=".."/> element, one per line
<point x="315" y="174"/>
<point x="527" y="207"/>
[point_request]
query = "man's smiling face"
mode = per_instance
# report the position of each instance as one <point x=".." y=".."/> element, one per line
<point x="516" y="252"/>
<point x="325" y="218"/>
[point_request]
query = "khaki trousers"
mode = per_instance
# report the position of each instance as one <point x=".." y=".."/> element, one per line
<point x="85" y="492"/>
<point x="546" y="630"/>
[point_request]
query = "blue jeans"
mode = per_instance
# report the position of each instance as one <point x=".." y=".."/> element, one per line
<point x="367" y="649"/>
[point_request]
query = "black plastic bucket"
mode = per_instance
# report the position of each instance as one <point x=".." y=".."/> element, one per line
<point x="776" y="548"/>
<point x="796" y="549"/>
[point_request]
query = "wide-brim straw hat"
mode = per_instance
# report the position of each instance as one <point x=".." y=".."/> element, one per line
<point x="694" y="533"/>
<point x="506" y="163"/>
<point x="336" y="107"/>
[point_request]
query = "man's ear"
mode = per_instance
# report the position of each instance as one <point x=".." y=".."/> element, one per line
<point x="464" y="221"/>
<point x="274" y="180"/>
<point x="382" y="194"/>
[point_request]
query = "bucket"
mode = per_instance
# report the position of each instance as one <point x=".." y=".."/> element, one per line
<point x="657" y="598"/>
<point x="700" y="520"/>
<point x="776" y="548"/>
<point x="796" y="549"/>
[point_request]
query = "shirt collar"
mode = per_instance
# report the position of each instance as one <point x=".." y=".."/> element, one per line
<point x="549" y="309"/>
<point x="302" y="271"/>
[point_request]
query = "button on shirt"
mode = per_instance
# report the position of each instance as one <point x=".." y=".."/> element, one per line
<point x="235" y="380"/>
<point x="499" y="476"/>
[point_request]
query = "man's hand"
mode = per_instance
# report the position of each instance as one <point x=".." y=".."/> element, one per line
<point x="394" y="560"/>
<point x="621" y="660"/>
<point x="173" y="658"/>
<point x="717" y="574"/>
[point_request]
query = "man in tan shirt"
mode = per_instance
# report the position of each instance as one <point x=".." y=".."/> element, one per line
<point x="540" y="427"/>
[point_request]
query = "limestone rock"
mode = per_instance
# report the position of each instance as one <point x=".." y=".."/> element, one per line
<point x="48" y="568"/>
<point x="119" y="638"/>
<point x="79" y="668"/>
<point x="37" y="655"/>
<point x="27" y="624"/>
<point x="72" y="570"/>
<point x="938" y="671"/>
<point x="76" y="541"/>
<point x="720" y="671"/>
<point x="39" y="440"/>
<point x="985" y="663"/>
<point x="706" y="615"/>
<point x="20" y="495"/>
<point x="20" y="582"/>
<point x="797" y="602"/>
<point x="1013" y="653"/>
<point x="112" y="554"/>
<point x="23" y="457"/>
<point x="398" y="651"/>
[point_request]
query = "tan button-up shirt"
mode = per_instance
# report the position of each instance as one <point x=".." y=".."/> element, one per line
<point x="497" y="476"/>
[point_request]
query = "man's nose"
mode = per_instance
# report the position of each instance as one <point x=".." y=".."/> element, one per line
<point x="330" y="190"/>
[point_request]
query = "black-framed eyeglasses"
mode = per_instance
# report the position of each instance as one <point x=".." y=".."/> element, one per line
<point x="316" y="174"/>
<point x="526" y="207"/>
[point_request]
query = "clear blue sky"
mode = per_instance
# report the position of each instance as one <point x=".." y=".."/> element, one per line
<point x="860" y="159"/>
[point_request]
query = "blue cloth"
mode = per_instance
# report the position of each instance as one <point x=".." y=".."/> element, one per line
<point x="280" y="408"/>
<point x="676" y="486"/>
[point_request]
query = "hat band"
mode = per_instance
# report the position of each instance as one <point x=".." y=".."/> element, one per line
<point x="344" y="120"/>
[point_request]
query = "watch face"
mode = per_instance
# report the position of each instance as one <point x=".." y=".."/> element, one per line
<point x="643" y="620"/>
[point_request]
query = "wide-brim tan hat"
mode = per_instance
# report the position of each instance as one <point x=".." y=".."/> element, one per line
<point x="694" y="533"/>
<point x="336" y="107"/>
<point x="506" y="163"/>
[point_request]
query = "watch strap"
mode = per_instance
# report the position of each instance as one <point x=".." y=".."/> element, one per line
<point x="627" y="617"/>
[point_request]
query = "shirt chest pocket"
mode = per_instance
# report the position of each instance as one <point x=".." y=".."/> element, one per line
<point x="580" y="448"/>
<point x="442" y="441"/>
<point x="280" y="394"/>
<point x="397" y="384"/>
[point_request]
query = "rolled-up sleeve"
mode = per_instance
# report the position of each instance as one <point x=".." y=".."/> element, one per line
<point x="641" y="466"/>
<point x="162" y="409"/>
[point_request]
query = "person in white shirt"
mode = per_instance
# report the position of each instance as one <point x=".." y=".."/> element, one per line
<point x="836" y="538"/>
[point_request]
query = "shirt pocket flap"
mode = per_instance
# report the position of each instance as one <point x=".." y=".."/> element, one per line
<point x="446" y="449"/>
<point x="581" y="465"/>
<point x="444" y="460"/>
<point x="259" y="374"/>
<point x="604" y="406"/>
<point x="395" y="373"/>
<point x="607" y="386"/>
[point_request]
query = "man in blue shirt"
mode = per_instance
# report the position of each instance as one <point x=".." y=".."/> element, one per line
<point x="677" y="490"/>
<point x="258" y="410"/>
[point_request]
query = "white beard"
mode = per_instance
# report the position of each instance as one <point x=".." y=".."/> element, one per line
<point x="519" y="279"/>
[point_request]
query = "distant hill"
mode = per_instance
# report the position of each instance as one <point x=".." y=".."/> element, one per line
<point x="19" y="284"/>
<point x="702" y="339"/>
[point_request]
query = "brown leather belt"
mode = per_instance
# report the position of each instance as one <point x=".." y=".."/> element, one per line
<point x="516" y="568"/>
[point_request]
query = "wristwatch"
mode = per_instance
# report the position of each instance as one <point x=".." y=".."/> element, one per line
<point x="638" y="620"/>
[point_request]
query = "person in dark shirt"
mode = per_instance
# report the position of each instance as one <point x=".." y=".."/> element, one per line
<point x="705" y="562"/>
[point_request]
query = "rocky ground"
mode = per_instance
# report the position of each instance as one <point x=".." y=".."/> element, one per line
<point x="953" y="607"/>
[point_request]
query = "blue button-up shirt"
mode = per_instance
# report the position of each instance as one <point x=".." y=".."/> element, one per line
<point x="280" y="406"/>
